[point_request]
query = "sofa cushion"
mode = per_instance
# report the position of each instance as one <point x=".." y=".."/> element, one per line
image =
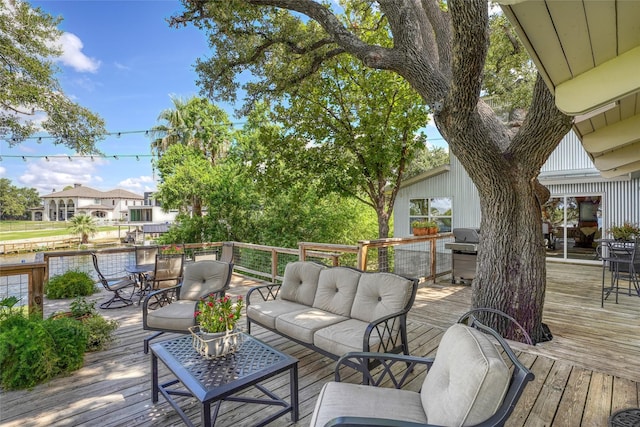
<point x="300" y="282"/>
<point x="344" y="337"/>
<point x="380" y="294"/>
<point x="336" y="290"/>
<point x="301" y="325"/>
<point x="345" y="399"/>
<point x="468" y="380"/>
<point x="266" y="312"/>
<point x="177" y="316"/>
<point x="202" y="278"/>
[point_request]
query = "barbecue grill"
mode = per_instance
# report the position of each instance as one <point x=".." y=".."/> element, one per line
<point x="464" y="254"/>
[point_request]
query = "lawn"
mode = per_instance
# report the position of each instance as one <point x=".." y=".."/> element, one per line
<point x="16" y="230"/>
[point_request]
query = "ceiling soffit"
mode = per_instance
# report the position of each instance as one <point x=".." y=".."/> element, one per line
<point x="588" y="53"/>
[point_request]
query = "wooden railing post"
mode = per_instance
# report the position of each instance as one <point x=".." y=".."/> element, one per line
<point x="363" y="249"/>
<point x="274" y="265"/>
<point x="36" y="290"/>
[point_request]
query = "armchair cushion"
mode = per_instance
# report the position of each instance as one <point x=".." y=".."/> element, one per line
<point x="177" y="316"/>
<point x="468" y="380"/>
<point x="345" y="399"/>
<point x="204" y="277"/>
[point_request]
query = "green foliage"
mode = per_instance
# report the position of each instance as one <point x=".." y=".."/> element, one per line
<point x="33" y="350"/>
<point x="15" y="201"/>
<point x="84" y="226"/>
<point x="426" y="158"/>
<point x="29" y="41"/>
<point x="509" y="73"/>
<point x="70" y="341"/>
<point x="70" y="284"/>
<point x="186" y="177"/>
<point x="81" y="307"/>
<point x="626" y="231"/>
<point x="99" y="332"/>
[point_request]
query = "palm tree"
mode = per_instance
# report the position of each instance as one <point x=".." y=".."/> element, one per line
<point x="83" y="225"/>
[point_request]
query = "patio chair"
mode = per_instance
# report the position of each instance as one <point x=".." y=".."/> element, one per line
<point x="146" y="254"/>
<point x="118" y="286"/>
<point x="177" y="314"/>
<point x="622" y="260"/>
<point x="468" y="383"/>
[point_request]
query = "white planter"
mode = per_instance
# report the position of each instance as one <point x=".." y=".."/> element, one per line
<point x="212" y="345"/>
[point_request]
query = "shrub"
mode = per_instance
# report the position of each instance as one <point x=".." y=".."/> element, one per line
<point x="33" y="350"/>
<point x="99" y="331"/>
<point x="70" y="284"/>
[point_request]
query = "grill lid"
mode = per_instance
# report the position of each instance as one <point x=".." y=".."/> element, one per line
<point x="466" y="235"/>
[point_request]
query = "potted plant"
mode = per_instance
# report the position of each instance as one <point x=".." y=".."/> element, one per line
<point x="171" y="250"/>
<point x="215" y="333"/>
<point x="626" y="231"/>
<point x="420" y="227"/>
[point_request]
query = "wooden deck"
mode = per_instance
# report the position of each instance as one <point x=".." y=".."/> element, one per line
<point x="589" y="370"/>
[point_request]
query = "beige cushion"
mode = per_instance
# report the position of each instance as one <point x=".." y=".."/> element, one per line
<point x="177" y="316"/>
<point x="380" y="294"/>
<point x="344" y="337"/>
<point x="344" y="399"/>
<point x="467" y="381"/>
<point x="336" y="290"/>
<point x="202" y="278"/>
<point x="301" y="325"/>
<point x="266" y="312"/>
<point x="300" y="282"/>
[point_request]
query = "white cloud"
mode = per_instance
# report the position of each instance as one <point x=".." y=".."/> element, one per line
<point x="120" y="66"/>
<point x="59" y="172"/>
<point x="73" y="56"/>
<point x="3" y="171"/>
<point x="139" y="184"/>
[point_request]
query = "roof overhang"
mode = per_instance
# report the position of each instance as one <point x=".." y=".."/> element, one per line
<point x="588" y="53"/>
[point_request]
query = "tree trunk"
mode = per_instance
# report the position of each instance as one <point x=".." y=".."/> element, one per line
<point x="383" y="233"/>
<point x="511" y="273"/>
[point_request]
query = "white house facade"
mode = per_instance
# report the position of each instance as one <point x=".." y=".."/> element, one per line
<point x="583" y="205"/>
<point x="116" y="205"/>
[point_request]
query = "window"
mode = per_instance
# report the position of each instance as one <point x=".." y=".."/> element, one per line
<point x="438" y="209"/>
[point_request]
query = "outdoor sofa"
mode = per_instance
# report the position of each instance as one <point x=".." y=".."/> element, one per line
<point x="335" y="310"/>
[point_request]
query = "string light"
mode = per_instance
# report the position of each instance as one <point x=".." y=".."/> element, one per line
<point x="77" y="156"/>
<point x="117" y="134"/>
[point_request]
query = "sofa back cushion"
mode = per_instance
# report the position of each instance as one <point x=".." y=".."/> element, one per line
<point x="202" y="278"/>
<point x="468" y="380"/>
<point x="300" y="282"/>
<point x="380" y="294"/>
<point x="336" y="290"/>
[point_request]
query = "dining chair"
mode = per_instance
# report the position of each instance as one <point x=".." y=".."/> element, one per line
<point x="146" y="254"/>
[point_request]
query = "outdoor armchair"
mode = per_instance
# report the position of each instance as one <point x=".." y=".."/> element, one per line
<point x="468" y="383"/>
<point x="173" y="309"/>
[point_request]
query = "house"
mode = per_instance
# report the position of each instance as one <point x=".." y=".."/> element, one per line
<point x="583" y="205"/>
<point x="116" y="205"/>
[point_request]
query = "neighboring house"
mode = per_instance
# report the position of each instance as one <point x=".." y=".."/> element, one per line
<point x="109" y="206"/>
<point x="583" y="205"/>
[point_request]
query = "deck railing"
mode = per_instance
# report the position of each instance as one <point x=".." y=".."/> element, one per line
<point x="422" y="256"/>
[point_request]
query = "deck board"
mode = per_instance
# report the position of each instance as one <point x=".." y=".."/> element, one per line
<point x="587" y="372"/>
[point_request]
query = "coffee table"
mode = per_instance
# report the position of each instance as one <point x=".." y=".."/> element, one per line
<point x="212" y="381"/>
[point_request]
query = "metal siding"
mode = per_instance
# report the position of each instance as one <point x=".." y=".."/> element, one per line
<point x="621" y="199"/>
<point x="568" y="155"/>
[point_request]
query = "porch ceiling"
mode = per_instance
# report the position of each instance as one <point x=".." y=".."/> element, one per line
<point x="588" y="53"/>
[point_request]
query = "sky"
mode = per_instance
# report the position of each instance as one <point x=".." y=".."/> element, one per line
<point x="123" y="62"/>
